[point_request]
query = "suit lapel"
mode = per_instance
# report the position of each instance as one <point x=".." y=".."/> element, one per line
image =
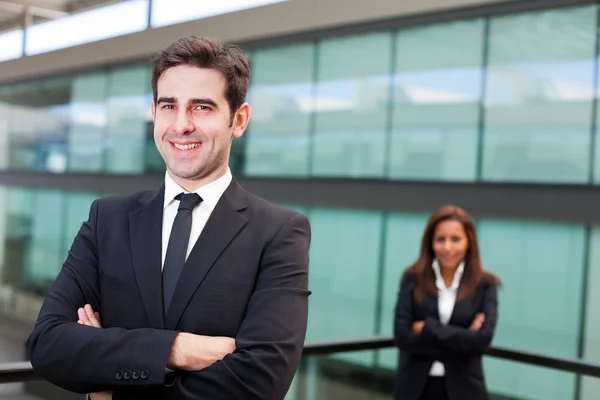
<point x="145" y="225"/>
<point x="457" y="303"/>
<point x="224" y="223"/>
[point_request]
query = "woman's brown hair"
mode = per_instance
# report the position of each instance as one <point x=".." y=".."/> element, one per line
<point x="421" y="269"/>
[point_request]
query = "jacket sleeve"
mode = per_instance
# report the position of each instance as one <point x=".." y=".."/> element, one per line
<point x="462" y="340"/>
<point x="404" y="336"/>
<point x="84" y="359"/>
<point x="271" y="337"/>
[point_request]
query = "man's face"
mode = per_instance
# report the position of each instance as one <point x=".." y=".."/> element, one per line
<point x="192" y="128"/>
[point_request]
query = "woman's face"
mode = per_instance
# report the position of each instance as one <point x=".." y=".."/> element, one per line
<point x="450" y="243"/>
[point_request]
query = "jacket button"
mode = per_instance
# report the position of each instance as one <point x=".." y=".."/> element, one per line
<point x="127" y="374"/>
<point x="145" y="374"/>
<point x="135" y="374"/>
<point x="119" y="375"/>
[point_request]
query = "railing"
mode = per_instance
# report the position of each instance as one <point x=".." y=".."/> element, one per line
<point x="22" y="371"/>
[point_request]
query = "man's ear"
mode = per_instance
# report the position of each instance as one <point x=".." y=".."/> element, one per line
<point x="240" y="120"/>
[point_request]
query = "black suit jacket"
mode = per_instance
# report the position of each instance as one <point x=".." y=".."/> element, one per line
<point x="246" y="277"/>
<point x="457" y="347"/>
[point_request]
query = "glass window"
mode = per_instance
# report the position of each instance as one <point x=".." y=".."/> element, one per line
<point x="437" y="94"/>
<point x="87" y="117"/>
<point x="129" y="119"/>
<point x="17" y="210"/>
<point x="540" y="87"/>
<point x="45" y="255"/>
<point x="351" y="104"/>
<point x="402" y="244"/>
<point x="5" y="109"/>
<point x="344" y="266"/>
<point x="281" y="100"/>
<point x="541" y="266"/>
<point x="77" y="212"/>
<point x="38" y="121"/>
<point x="590" y="387"/>
<point x="91" y="26"/>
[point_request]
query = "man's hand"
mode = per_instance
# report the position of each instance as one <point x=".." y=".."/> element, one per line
<point x="195" y="352"/>
<point x="101" y="396"/>
<point x="189" y="352"/>
<point x="87" y="316"/>
<point x="477" y="322"/>
<point x="417" y="327"/>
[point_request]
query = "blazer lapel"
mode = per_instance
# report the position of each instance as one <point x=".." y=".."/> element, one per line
<point x="222" y="226"/>
<point x="145" y="233"/>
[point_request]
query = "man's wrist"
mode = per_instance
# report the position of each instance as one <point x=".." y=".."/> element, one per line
<point x="176" y="359"/>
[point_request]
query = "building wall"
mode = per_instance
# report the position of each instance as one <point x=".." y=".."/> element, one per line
<point x="504" y="103"/>
<point x="265" y="22"/>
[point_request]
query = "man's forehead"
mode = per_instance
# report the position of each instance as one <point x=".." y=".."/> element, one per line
<point x="187" y="82"/>
<point x="191" y="74"/>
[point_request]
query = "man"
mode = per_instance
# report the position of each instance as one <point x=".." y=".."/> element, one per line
<point x="200" y="286"/>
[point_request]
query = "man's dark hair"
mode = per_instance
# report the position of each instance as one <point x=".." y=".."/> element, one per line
<point x="205" y="52"/>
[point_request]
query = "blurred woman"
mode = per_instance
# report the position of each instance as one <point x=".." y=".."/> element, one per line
<point x="446" y="314"/>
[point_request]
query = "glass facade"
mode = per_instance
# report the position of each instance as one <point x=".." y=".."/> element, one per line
<point x="357" y="257"/>
<point x="483" y="99"/>
<point x="477" y="100"/>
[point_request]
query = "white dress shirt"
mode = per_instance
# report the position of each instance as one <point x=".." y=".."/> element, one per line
<point x="210" y="195"/>
<point x="446" y="301"/>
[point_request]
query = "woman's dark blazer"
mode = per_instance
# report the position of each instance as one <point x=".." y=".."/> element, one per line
<point x="457" y="347"/>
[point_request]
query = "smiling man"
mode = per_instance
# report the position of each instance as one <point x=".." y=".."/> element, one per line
<point x="197" y="289"/>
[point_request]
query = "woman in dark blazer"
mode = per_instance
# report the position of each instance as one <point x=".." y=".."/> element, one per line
<point x="446" y="314"/>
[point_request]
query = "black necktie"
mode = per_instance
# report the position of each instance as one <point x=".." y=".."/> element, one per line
<point x="178" y="243"/>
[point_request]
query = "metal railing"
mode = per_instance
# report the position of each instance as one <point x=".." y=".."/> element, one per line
<point x="23" y="372"/>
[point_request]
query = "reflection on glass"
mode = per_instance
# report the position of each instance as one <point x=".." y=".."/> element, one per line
<point x="590" y="387"/>
<point x="402" y="242"/>
<point x="37" y="228"/>
<point x="344" y="264"/>
<point x="539" y="96"/>
<point x="87" y="122"/>
<point x="37" y="124"/>
<point x="437" y="92"/>
<point x="129" y="99"/>
<point x="281" y="100"/>
<point x="351" y="104"/>
<point x="541" y="265"/>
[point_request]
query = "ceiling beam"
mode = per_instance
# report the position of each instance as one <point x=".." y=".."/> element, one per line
<point x="18" y="8"/>
<point x="39" y="4"/>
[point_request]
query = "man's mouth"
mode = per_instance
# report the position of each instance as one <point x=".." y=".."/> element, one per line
<point x="187" y="146"/>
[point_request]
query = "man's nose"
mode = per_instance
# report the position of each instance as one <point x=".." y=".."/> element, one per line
<point x="183" y="123"/>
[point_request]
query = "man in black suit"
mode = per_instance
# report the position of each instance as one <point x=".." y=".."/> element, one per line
<point x="195" y="290"/>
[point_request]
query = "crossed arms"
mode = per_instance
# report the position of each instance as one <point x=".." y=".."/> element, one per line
<point x="268" y="345"/>
<point x="431" y="338"/>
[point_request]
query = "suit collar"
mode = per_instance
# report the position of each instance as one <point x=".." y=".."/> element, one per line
<point x="210" y="193"/>
<point x="439" y="280"/>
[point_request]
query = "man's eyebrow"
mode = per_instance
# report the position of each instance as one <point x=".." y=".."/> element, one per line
<point x="166" y="100"/>
<point x="208" y="102"/>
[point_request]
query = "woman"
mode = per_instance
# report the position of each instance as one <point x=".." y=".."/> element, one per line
<point x="446" y="314"/>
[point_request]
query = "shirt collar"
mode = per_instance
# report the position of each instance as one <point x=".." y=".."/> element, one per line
<point x="210" y="193"/>
<point x="439" y="280"/>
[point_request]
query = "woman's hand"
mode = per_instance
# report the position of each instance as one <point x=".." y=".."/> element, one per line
<point x="417" y="327"/>
<point x="477" y="322"/>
